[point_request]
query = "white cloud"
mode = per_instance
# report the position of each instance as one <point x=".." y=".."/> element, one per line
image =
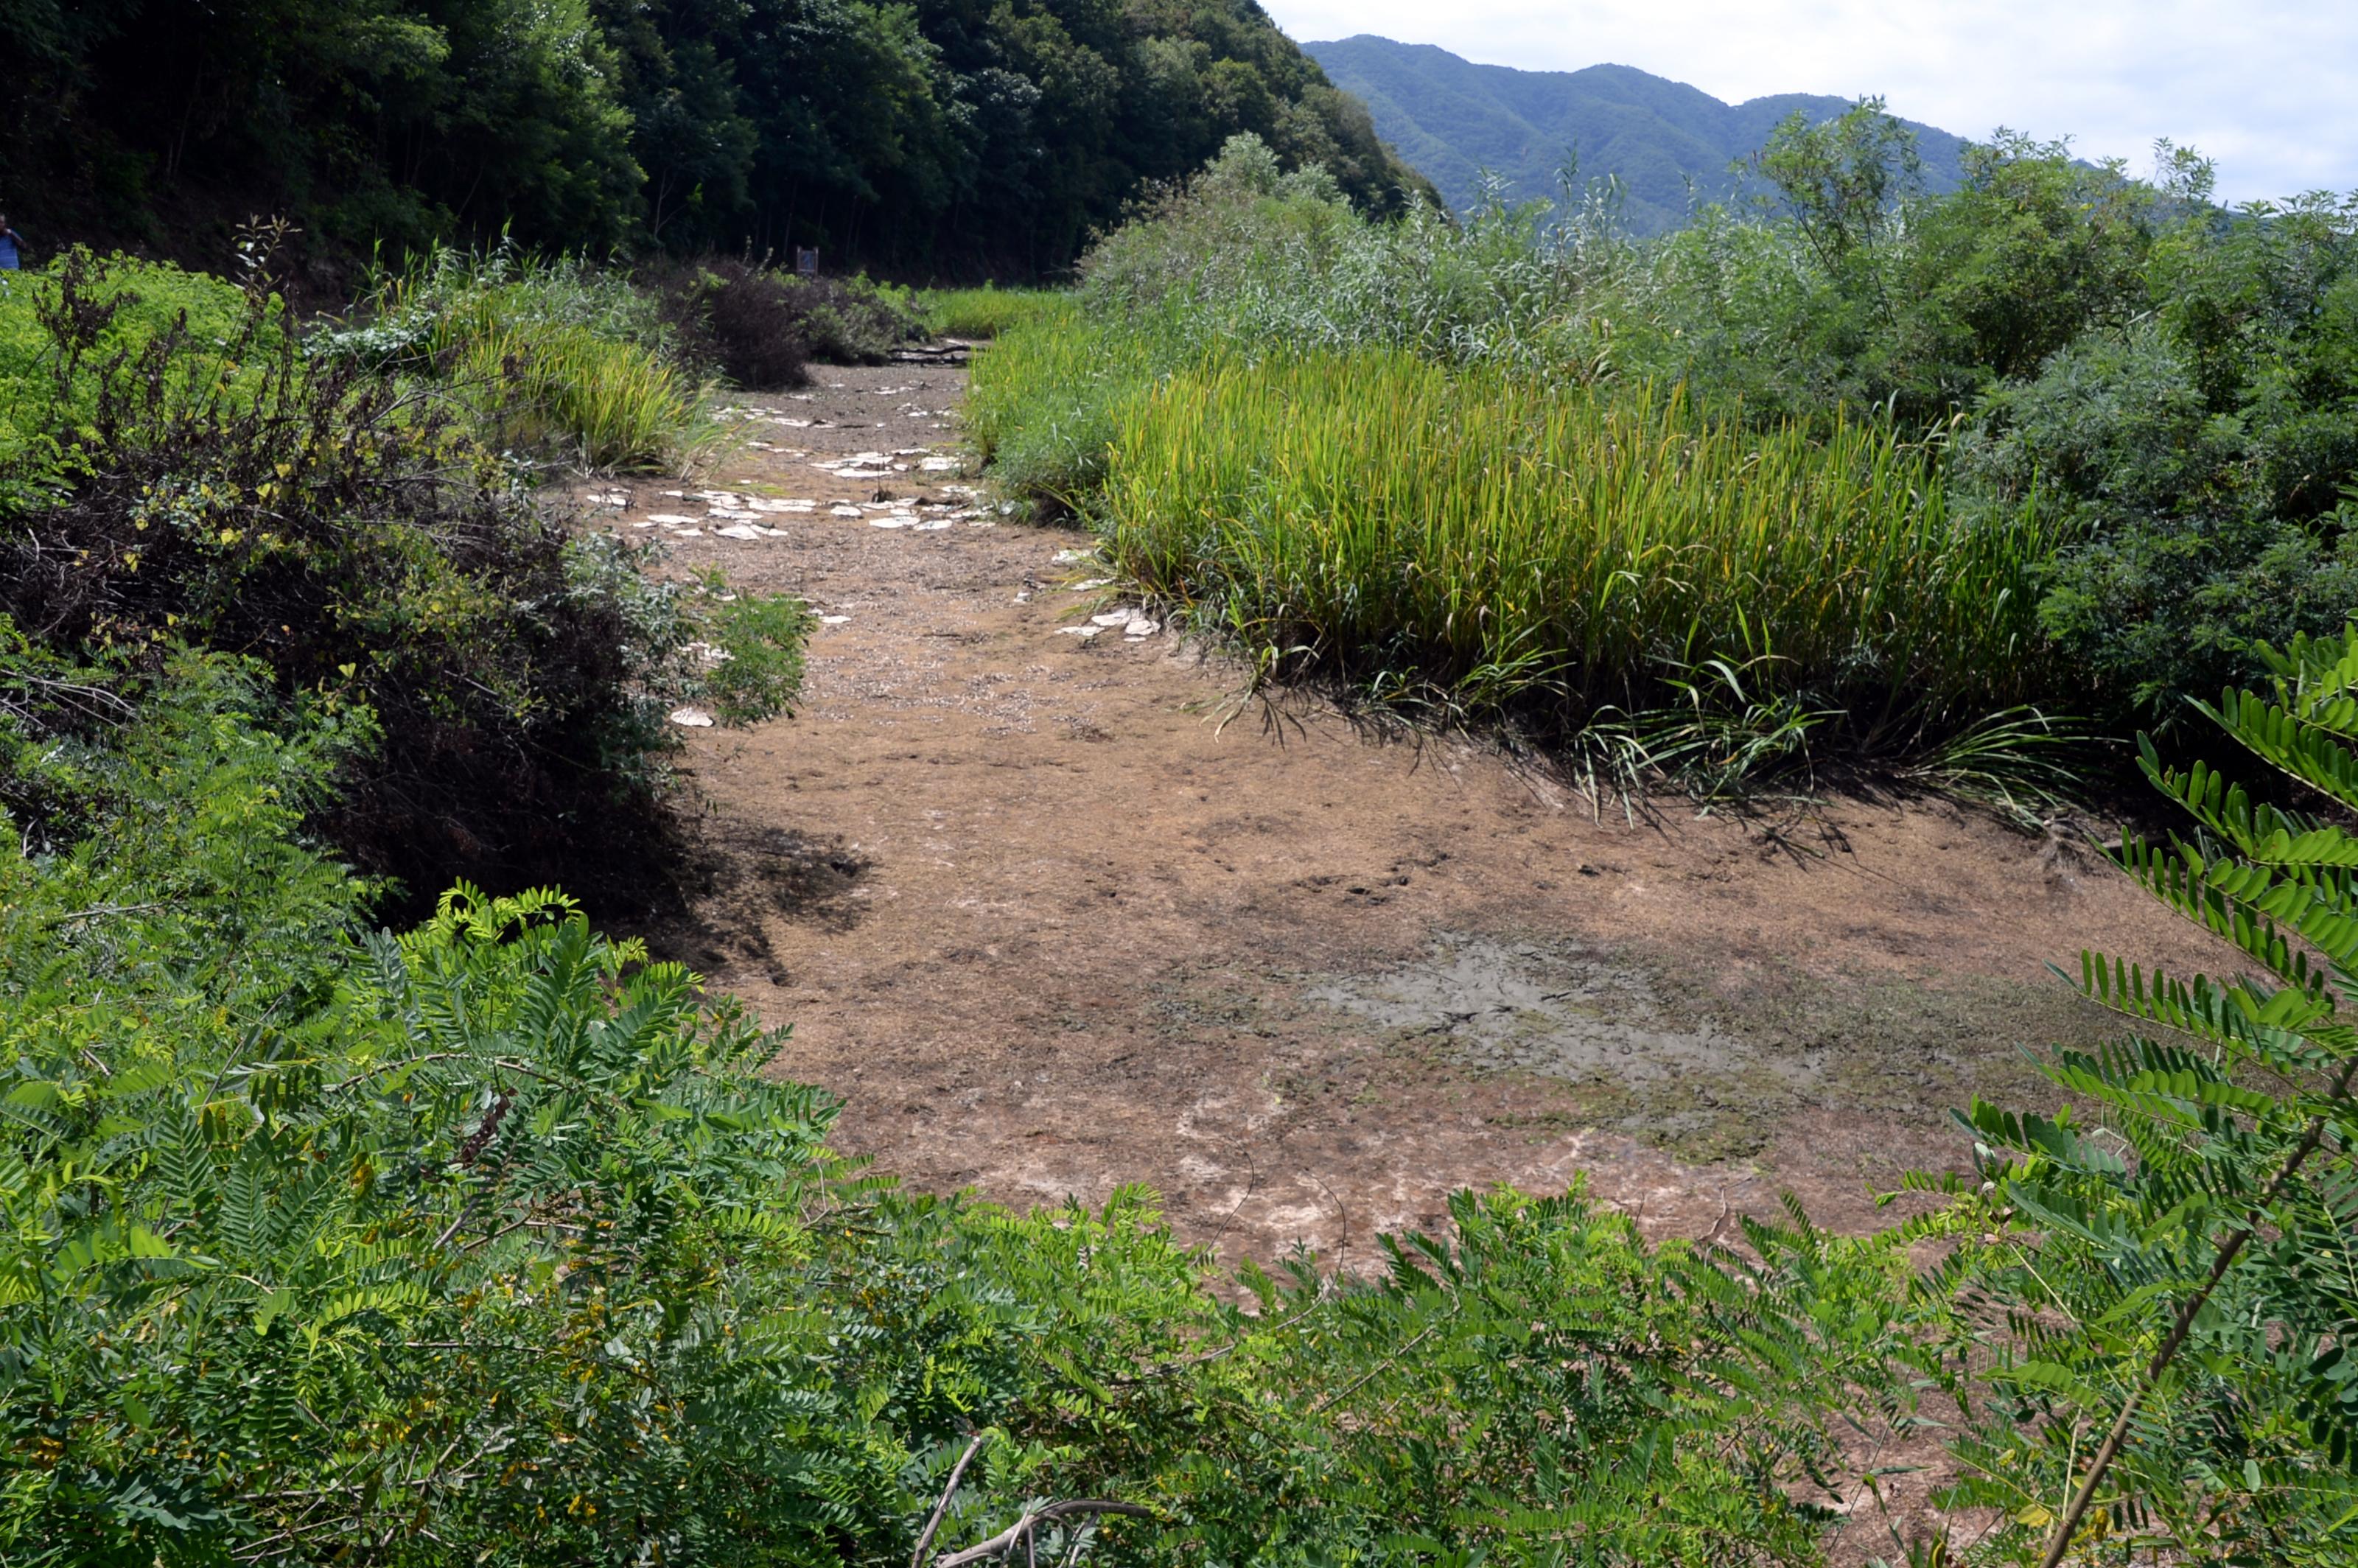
<point x="2268" y="88"/>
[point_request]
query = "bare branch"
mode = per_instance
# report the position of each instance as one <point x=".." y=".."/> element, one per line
<point x="1021" y="1531"/>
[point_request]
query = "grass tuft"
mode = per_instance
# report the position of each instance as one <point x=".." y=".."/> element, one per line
<point x="1513" y="548"/>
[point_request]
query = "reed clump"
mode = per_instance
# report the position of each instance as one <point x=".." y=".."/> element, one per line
<point x="1505" y="545"/>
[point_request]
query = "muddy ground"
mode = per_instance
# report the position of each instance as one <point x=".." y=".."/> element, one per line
<point x="1052" y="912"/>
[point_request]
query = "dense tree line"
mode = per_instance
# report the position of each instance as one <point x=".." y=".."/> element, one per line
<point x="940" y="136"/>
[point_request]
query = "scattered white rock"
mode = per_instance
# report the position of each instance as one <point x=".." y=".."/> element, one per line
<point x="1088" y="583"/>
<point x="1066" y="558"/>
<point x="691" y="718"/>
<point x="738" y="531"/>
<point x="834" y="620"/>
<point x="942" y="465"/>
<point x="1141" y="627"/>
<point x="1113" y="618"/>
<point x="687" y="533"/>
<point x="1084" y="632"/>
<point x="843" y="511"/>
<point x="671" y="519"/>
<point x="892" y="520"/>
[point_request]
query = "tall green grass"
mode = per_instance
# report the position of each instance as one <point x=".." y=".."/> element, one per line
<point x="1041" y="402"/>
<point x="564" y="389"/>
<point x="984" y="312"/>
<point x="1506" y="545"/>
<point x="555" y="357"/>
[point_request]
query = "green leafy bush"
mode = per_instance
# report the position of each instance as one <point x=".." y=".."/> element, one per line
<point x="853" y="320"/>
<point x="319" y="517"/>
<point x="2155" y="1291"/>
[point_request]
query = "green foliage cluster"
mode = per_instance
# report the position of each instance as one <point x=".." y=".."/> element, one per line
<point x="2156" y="1291"/>
<point x="946" y="135"/>
<point x="187" y="473"/>
<point x="489" y="1243"/>
<point x="2166" y="386"/>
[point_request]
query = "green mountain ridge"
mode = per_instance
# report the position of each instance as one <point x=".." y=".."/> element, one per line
<point x="1451" y="119"/>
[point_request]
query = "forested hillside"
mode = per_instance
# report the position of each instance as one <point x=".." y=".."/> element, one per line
<point x="947" y="136"/>
<point x="1453" y="119"/>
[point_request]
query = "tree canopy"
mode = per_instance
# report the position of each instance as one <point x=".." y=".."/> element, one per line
<point x="940" y="136"/>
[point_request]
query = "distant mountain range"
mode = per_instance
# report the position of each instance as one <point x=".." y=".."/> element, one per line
<point x="1451" y="119"/>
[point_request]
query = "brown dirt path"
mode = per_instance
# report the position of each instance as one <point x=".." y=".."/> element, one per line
<point x="1048" y="927"/>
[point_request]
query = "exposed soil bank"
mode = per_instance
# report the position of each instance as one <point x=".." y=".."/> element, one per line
<point x="1048" y="927"/>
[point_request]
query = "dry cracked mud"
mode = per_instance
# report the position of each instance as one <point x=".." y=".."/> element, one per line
<point x="1052" y="914"/>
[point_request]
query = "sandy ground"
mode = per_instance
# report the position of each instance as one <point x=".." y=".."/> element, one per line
<point x="1053" y="913"/>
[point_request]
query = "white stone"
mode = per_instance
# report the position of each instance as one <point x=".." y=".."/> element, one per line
<point x="738" y="531"/>
<point x="691" y="718"/>
<point x="1141" y="628"/>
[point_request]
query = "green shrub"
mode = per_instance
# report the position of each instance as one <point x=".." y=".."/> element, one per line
<point x="2153" y="1286"/>
<point x="65" y="349"/>
<point x="745" y="322"/>
<point x="322" y="519"/>
<point x="853" y="320"/>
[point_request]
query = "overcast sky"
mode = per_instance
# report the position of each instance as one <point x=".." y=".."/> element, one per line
<point x="2268" y="88"/>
